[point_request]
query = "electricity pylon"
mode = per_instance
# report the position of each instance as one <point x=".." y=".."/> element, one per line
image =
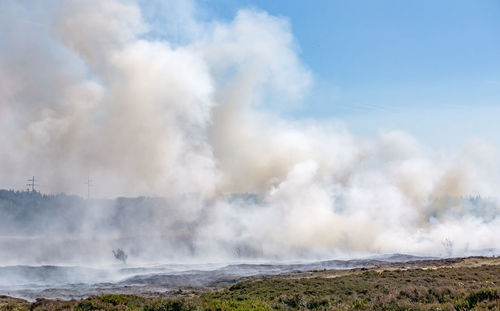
<point x="32" y="184"/>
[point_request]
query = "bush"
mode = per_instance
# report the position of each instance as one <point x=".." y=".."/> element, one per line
<point x="171" y="305"/>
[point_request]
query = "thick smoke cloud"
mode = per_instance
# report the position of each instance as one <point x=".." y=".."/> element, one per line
<point x="91" y="88"/>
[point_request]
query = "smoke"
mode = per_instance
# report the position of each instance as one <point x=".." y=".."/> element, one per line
<point x="186" y="112"/>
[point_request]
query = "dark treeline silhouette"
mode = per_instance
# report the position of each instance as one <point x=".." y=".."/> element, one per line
<point x="29" y="213"/>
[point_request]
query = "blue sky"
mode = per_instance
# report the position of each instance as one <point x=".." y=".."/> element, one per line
<point x="428" y="67"/>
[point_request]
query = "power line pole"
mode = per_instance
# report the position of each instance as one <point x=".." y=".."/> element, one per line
<point x="88" y="183"/>
<point x="32" y="184"/>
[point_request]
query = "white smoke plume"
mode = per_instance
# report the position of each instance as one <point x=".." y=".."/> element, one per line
<point x="91" y="88"/>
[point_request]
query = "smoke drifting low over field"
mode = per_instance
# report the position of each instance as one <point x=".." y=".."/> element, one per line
<point x="183" y="110"/>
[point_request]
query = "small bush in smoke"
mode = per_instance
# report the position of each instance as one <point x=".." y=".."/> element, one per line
<point x="120" y="255"/>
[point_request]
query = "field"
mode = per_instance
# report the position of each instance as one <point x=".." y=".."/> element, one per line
<point x="461" y="284"/>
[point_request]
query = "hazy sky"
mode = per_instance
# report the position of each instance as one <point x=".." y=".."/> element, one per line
<point x="431" y="68"/>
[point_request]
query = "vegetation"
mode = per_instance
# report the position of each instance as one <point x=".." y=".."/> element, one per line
<point x="461" y="287"/>
<point x="26" y="213"/>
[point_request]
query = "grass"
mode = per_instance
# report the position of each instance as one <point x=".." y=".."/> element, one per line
<point x="462" y="287"/>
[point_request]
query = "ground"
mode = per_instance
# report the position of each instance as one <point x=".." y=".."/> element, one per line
<point x="458" y="284"/>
